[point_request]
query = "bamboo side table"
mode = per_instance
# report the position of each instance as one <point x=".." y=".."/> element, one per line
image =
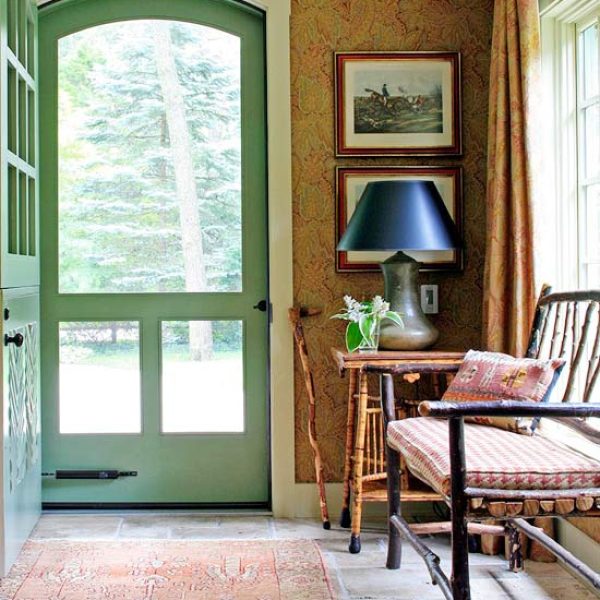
<point x="364" y="464"/>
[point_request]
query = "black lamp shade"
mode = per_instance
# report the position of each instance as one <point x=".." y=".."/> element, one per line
<point x="400" y="215"/>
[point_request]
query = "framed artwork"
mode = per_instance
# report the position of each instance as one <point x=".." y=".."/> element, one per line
<point x="397" y="103"/>
<point x="350" y="184"/>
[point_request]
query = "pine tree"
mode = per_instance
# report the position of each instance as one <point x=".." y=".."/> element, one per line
<point x="150" y="161"/>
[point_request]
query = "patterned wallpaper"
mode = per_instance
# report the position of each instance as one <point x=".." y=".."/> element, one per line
<point x="318" y="28"/>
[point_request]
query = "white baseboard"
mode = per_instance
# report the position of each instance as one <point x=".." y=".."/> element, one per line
<point x="306" y="504"/>
<point x="580" y="544"/>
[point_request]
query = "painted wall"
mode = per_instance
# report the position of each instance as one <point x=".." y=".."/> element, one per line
<point x="318" y="28"/>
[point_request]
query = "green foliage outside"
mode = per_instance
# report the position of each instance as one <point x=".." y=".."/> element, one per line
<point x="120" y="219"/>
<point x="120" y="228"/>
<point x="117" y="344"/>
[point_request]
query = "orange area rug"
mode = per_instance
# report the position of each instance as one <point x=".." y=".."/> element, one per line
<point x="168" y="570"/>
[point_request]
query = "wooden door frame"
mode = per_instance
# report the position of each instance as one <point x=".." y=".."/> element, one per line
<point x="289" y="498"/>
<point x="279" y="186"/>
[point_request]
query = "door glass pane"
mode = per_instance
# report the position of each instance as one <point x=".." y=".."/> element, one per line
<point x="13" y="214"/>
<point x="23" y="219"/>
<point x="22" y="121"/>
<point x="202" y="377"/>
<point x="31" y="46"/>
<point x="100" y="377"/>
<point x="21" y="29"/>
<point x="149" y="159"/>
<point x="31" y="143"/>
<point x="11" y="24"/>
<point x="13" y="95"/>
<point x="31" y="215"/>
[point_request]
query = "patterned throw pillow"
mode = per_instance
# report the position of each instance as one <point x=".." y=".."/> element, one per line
<point x="490" y="376"/>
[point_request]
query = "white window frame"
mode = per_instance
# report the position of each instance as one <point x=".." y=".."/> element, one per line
<point x="584" y="181"/>
<point x="563" y="223"/>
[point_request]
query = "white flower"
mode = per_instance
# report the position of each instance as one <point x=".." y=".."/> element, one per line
<point x="380" y="307"/>
<point x="353" y="308"/>
<point x="377" y="308"/>
<point x="365" y="320"/>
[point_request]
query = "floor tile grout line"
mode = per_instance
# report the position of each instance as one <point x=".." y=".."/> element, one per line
<point x="119" y="527"/>
<point x="272" y="527"/>
<point x="338" y="576"/>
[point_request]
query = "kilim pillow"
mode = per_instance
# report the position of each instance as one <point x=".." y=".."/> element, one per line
<point x="490" y="376"/>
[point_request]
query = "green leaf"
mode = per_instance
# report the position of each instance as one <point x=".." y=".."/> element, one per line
<point x="353" y="336"/>
<point x="367" y="326"/>
<point x="395" y="317"/>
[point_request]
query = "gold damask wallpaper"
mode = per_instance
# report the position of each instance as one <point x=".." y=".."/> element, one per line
<point x="318" y="28"/>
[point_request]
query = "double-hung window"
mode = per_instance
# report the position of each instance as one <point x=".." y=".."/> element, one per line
<point x="571" y="210"/>
<point x="588" y="127"/>
<point x="569" y="215"/>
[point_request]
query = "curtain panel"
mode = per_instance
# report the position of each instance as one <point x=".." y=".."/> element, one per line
<point x="513" y="158"/>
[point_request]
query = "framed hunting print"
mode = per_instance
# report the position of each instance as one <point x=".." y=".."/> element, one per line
<point x="397" y="103"/>
<point x="350" y="184"/>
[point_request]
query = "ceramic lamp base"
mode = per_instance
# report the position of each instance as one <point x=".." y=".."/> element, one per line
<point x="400" y="273"/>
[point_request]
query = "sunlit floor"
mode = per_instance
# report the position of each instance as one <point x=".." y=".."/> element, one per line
<point x="361" y="576"/>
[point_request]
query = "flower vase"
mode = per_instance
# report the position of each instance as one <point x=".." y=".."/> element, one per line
<point x="370" y="344"/>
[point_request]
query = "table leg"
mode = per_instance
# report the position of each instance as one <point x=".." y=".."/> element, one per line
<point x="357" y="470"/>
<point x="352" y="391"/>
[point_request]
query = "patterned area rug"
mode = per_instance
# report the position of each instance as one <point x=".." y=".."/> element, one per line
<point x="168" y="570"/>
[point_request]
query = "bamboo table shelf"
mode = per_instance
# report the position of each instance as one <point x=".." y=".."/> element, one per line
<point x="364" y="464"/>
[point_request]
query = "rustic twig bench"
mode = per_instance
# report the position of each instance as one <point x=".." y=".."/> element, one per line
<point x="484" y="472"/>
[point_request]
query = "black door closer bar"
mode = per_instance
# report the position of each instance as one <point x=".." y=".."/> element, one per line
<point x="90" y="474"/>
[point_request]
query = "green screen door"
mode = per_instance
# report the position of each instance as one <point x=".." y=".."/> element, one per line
<point x="153" y="236"/>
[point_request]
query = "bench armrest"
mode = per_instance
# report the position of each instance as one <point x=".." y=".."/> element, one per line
<point x="510" y="408"/>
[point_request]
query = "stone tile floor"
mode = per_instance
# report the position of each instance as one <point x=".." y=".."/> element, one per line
<point x="355" y="577"/>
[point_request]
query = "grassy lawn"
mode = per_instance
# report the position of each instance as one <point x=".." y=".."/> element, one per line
<point x="127" y="356"/>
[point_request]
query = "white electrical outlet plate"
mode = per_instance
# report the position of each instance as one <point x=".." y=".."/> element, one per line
<point x="429" y="299"/>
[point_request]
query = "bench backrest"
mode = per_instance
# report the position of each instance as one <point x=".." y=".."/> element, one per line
<point x="566" y="325"/>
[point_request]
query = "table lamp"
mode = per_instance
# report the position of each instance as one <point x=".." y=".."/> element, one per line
<point x="402" y="215"/>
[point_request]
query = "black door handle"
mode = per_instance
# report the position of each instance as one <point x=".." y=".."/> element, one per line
<point x="16" y="339"/>
<point x="262" y="306"/>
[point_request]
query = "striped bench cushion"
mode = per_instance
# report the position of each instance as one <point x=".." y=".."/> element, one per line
<point x="495" y="458"/>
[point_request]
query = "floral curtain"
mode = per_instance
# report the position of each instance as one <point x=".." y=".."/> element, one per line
<point x="513" y="153"/>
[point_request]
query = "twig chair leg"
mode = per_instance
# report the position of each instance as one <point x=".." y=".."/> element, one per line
<point x="460" y="545"/>
<point x="345" y="520"/>
<point x="394" y="555"/>
<point x="515" y="550"/>
<point x="359" y="451"/>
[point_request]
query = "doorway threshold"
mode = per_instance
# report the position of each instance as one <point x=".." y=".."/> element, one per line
<point x="205" y="508"/>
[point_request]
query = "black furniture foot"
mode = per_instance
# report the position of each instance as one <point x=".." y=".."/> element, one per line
<point x="354" y="546"/>
<point x="345" y="519"/>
